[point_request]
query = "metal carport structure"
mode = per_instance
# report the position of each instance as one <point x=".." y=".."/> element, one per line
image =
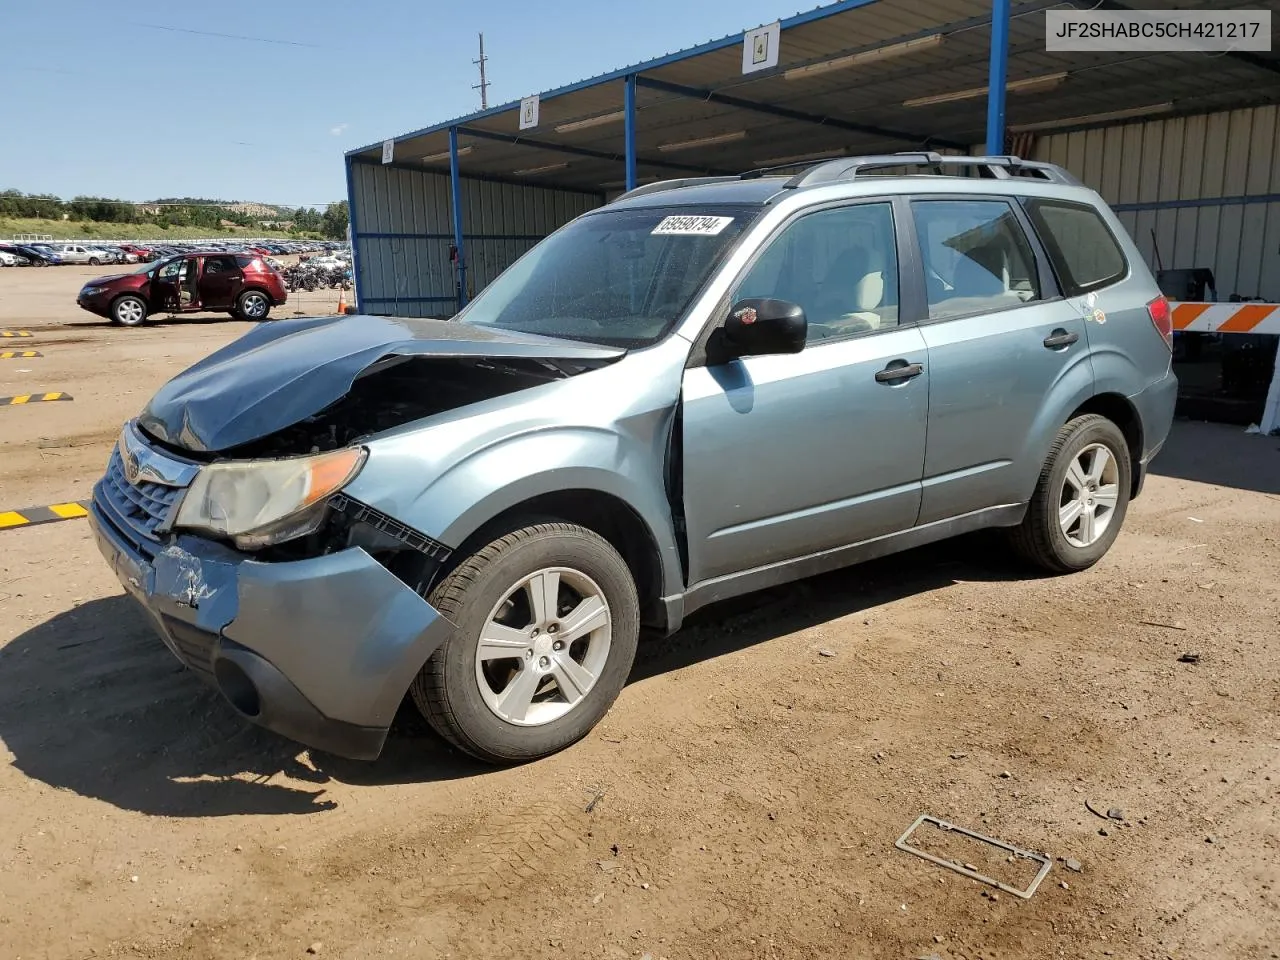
<point x="460" y="200"/>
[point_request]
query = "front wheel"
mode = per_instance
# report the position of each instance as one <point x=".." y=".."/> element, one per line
<point x="253" y="305"/>
<point x="1080" y="500"/>
<point x="547" y="624"/>
<point x="95" y="262"/>
<point x="129" y="311"/>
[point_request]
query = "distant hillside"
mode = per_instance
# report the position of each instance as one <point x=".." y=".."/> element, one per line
<point x="105" y="217"/>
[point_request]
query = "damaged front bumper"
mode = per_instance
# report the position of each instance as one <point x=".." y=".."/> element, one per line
<point x="320" y="650"/>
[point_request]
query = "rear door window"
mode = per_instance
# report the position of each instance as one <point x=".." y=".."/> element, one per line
<point x="1082" y="248"/>
<point x="976" y="257"/>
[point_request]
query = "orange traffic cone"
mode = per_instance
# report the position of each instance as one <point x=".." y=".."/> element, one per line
<point x="342" y="302"/>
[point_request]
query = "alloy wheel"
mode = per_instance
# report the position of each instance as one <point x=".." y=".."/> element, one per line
<point x="543" y="646"/>
<point x="1090" y="491"/>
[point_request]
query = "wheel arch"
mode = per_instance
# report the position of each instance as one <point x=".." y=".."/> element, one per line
<point x="603" y="513"/>
<point x="1120" y="411"/>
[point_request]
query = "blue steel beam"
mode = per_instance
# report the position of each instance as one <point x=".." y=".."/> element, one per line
<point x="997" y="77"/>
<point x="455" y="183"/>
<point x="787" y="113"/>
<point x="629" y="121"/>
<point x="585" y="152"/>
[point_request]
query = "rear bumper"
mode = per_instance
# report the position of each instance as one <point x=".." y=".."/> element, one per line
<point x="1155" y="411"/>
<point x="319" y="650"/>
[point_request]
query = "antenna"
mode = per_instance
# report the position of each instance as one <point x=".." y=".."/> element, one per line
<point x="483" y="85"/>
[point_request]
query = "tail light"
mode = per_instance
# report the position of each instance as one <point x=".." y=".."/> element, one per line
<point x="1162" y="317"/>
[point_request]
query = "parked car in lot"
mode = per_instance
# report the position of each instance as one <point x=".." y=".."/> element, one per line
<point x="143" y="254"/>
<point x="703" y="388"/>
<point x="11" y="258"/>
<point x="239" y="284"/>
<point x="40" y="255"/>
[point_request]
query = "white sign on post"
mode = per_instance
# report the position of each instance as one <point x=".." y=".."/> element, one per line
<point x="760" y="48"/>
<point x="388" y="150"/>
<point x="529" y="112"/>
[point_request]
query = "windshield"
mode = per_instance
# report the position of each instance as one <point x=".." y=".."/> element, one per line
<point x="621" y="277"/>
<point x="146" y="268"/>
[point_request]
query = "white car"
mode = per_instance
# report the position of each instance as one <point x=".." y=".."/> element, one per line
<point x="330" y="261"/>
<point x="77" y="253"/>
<point x="8" y="259"/>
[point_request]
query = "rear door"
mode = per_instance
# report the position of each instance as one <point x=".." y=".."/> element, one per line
<point x="220" y="282"/>
<point x="1004" y="349"/>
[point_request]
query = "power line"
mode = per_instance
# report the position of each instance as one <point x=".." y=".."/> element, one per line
<point x="225" y="36"/>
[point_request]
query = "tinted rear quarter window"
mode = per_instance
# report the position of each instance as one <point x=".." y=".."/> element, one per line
<point x="1081" y="246"/>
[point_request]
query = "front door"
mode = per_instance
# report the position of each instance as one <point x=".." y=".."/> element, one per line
<point x="220" y="282"/>
<point x="1002" y="349"/>
<point x="787" y="456"/>
<point x="164" y="286"/>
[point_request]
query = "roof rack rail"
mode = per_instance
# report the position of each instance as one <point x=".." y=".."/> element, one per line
<point x="659" y="186"/>
<point x="998" y="168"/>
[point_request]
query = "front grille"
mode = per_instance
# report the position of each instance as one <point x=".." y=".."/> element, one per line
<point x="136" y="509"/>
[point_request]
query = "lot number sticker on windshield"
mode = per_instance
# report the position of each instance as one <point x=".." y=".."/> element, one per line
<point x="693" y="226"/>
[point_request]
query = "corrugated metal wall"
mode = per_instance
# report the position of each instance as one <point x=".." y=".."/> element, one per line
<point x="404" y="227"/>
<point x="1207" y="186"/>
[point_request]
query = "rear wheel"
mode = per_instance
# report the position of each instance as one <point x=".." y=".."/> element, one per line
<point x="253" y="305"/>
<point x="547" y="624"/>
<point x="1080" y="500"/>
<point x="129" y="311"/>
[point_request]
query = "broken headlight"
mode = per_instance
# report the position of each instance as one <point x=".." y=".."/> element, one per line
<point x="257" y="503"/>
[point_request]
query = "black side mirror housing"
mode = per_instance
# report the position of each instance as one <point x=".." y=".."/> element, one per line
<point x="757" y="327"/>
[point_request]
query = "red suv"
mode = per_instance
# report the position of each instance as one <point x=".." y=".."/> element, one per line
<point x="241" y="284"/>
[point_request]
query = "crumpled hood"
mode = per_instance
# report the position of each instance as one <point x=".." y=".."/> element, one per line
<point x="284" y="371"/>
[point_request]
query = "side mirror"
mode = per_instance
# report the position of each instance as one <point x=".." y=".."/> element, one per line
<point x="759" y="327"/>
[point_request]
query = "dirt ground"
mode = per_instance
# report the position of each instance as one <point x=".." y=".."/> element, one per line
<point x="741" y="800"/>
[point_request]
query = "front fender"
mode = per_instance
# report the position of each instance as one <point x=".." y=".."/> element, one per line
<point x="457" y="501"/>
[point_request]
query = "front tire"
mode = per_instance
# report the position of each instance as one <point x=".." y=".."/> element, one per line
<point x="129" y="311"/>
<point x="548" y="620"/>
<point x="1080" y="500"/>
<point x="95" y="262"/>
<point x="253" y="305"/>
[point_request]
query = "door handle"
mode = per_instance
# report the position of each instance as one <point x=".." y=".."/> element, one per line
<point x="1060" y="338"/>
<point x="903" y="371"/>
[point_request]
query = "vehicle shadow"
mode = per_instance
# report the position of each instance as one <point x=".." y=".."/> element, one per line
<point x="1220" y="454"/>
<point x="91" y="701"/>
<point x="737" y="624"/>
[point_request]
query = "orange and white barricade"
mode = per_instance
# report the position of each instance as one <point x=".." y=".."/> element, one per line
<point x="1236" y="318"/>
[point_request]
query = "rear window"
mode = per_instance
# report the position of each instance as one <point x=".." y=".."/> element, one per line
<point x="1081" y="246"/>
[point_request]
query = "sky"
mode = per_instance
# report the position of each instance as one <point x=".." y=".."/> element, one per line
<point x="138" y="100"/>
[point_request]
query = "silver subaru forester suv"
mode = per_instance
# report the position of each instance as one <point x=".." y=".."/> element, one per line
<point x="703" y="388"/>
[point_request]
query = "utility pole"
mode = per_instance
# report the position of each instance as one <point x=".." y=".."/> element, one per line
<point x="483" y="85"/>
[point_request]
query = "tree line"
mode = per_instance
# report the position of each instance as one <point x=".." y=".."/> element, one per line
<point x="179" y="212"/>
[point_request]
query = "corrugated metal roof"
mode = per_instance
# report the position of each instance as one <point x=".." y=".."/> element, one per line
<point x="866" y="107"/>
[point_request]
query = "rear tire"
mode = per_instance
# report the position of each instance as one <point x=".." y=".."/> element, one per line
<point x="1080" y="500"/>
<point x="586" y="646"/>
<point x="129" y="311"/>
<point x="253" y="305"/>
